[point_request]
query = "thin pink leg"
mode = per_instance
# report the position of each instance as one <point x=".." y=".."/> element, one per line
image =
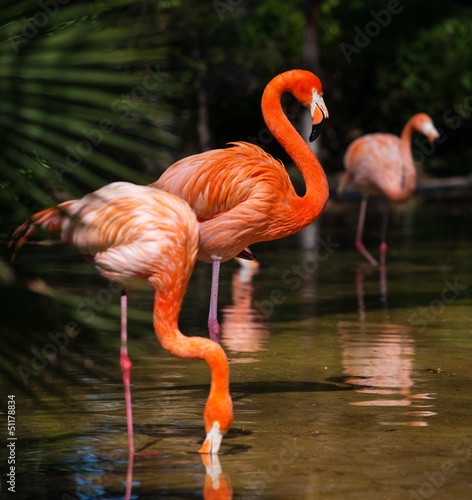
<point x="360" y="229"/>
<point x="383" y="282"/>
<point x="213" y="325"/>
<point x="383" y="253"/>
<point x="383" y="235"/>
<point x="126" y="364"/>
<point x="129" y="475"/>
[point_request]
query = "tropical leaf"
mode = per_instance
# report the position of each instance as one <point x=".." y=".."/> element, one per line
<point x="84" y="94"/>
<point x="85" y="91"/>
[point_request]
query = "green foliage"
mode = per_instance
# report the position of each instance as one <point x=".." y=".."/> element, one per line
<point x="384" y="61"/>
<point x="84" y="90"/>
<point x="92" y="92"/>
<point x="89" y="90"/>
<point x="231" y="49"/>
<point x="434" y="70"/>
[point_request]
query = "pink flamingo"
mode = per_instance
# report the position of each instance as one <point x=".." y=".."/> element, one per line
<point x="141" y="233"/>
<point x="383" y="164"/>
<point x="242" y="195"/>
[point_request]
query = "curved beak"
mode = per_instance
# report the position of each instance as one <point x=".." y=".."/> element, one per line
<point x="317" y="128"/>
<point x="319" y="113"/>
<point x="430" y="131"/>
<point x="433" y="135"/>
<point x="213" y="440"/>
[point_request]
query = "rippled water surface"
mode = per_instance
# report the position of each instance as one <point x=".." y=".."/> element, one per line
<point x="347" y="381"/>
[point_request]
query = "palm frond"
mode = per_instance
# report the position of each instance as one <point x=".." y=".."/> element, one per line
<point x="84" y="97"/>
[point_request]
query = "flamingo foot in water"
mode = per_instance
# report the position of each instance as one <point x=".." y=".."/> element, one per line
<point x="126" y="364"/>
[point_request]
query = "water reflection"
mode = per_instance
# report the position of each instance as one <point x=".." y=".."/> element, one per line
<point x="89" y="477"/>
<point x="378" y="358"/>
<point x="243" y="327"/>
<point x="129" y="476"/>
<point x="216" y="486"/>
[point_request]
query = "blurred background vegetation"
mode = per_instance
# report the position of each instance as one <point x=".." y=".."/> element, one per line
<point x="92" y="92"/>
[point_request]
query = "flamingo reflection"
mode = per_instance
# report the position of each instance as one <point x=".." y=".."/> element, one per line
<point x="243" y="326"/>
<point x="216" y="486"/>
<point x="378" y="358"/>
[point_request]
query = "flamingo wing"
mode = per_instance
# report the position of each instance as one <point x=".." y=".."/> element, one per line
<point x="240" y="196"/>
<point x="126" y="228"/>
<point x="374" y="163"/>
<point x="217" y="181"/>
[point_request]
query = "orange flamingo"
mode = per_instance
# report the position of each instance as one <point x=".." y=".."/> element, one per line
<point x="383" y="164"/>
<point x="141" y="233"/>
<point x="242" y="195"/>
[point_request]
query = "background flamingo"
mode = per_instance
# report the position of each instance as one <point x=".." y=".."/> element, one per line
<point x="142" y="233"/>
<point x="383" y="164"/>
<point x="242" y="195"/>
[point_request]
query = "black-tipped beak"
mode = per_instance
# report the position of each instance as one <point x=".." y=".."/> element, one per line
<point x="317" y="128"/>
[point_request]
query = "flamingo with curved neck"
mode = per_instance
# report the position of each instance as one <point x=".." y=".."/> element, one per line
<point x="241" y="195"/>
<point x="382" y="164"/>
<point x="144" y="234"/>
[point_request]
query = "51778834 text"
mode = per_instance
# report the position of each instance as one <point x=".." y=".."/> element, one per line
<point x="11" y="443"/>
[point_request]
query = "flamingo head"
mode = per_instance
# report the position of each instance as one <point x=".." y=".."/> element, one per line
<point x="306" y="88"/>
<point x="218" y="417"/>
<point x="424" y="124"/>
<point x="319" y="113"/>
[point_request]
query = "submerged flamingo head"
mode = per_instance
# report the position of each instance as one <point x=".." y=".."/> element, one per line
<point x="423" y="123"/>
<point x="218" y="417"/>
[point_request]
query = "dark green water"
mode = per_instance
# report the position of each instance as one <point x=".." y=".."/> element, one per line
<point x="344" y="385"/>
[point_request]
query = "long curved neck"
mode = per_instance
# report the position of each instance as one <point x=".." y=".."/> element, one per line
<point x="408" y="163"/>
<point x="313" y="202"/>
<point x="167" y="308"/>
